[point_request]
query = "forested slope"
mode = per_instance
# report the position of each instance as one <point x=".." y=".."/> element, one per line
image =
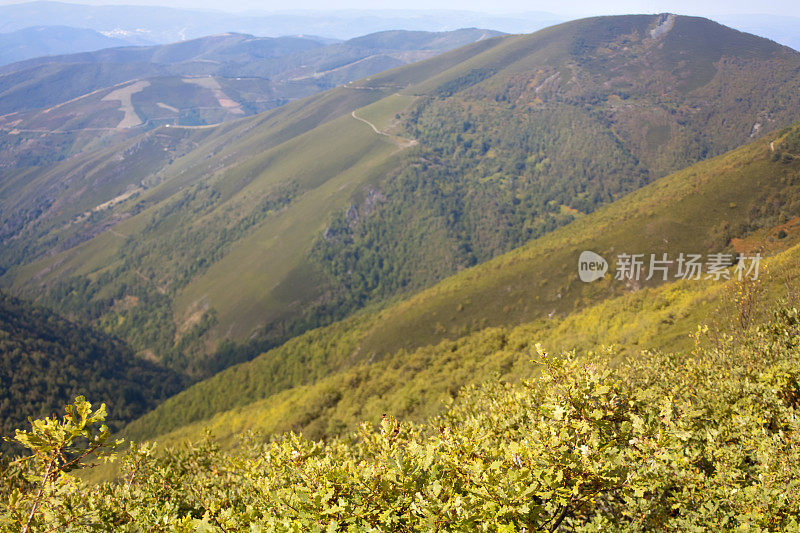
<point x="46" y="360"/>
<point x="706" y="208"/>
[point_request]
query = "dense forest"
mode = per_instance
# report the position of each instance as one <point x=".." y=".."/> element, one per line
<point x="45" y="360"/>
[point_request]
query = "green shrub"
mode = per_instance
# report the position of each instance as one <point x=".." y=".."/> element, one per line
<point x="707" y="439"/>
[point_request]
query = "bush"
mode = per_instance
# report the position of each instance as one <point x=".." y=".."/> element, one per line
<point x="708" y="439"/>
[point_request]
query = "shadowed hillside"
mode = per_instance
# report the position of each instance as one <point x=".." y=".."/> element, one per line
<point x="46" y="360"/>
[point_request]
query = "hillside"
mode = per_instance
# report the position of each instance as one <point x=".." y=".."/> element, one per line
<point x="406" y="358"/>
<point x="694" y="440"/>
<point x="276" y="224"/>
<point x="257" y="73"/>
<point x="39" y="41"/>
<point x="56" y="107"/>
<point x="46" y="360"/>
<point x="545" y="282"/>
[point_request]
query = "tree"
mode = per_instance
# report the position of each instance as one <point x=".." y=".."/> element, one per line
<point x="57" y="448"/>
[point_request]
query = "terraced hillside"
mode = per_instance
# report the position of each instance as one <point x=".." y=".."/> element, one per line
<point x="258" y="73"/>
<point x="52" y="108"/>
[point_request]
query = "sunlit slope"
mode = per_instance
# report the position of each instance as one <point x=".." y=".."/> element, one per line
<point x="416" y="385"/>
<point x="261" y="279"/>
<point x="250" y="200"/>
<point x="154" y="165"/>
<point x="238" y="237"/>
<point x="697" y="210"/>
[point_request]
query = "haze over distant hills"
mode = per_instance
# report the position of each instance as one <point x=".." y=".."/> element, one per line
<point x="61" y="103"/>
<point x="50" y="40"/>
<point x="781" y="29"/>
<point x="164" y="25"/>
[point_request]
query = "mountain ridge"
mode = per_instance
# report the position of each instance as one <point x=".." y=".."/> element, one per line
<point x="516" y="136"/>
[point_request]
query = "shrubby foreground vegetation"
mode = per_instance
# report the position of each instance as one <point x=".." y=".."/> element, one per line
<point x="709" y="438"/>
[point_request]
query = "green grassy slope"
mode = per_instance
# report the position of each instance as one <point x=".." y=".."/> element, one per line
<point x="697" y="210"/>
<point x="244" y="235"/>
<point x="277" y="186"/>
<point x="415" y="385"/>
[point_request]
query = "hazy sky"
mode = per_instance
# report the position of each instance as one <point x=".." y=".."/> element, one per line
<point x="575" y="8"/>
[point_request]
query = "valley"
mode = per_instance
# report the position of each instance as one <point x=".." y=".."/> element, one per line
<point x="332" y="285"/>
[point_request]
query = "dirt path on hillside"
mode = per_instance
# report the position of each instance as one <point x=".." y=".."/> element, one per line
<point x="399" y="141"/>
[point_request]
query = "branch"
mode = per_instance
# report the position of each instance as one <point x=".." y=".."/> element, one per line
<point x="27" y="525"/>
<point x="560" y="518"/>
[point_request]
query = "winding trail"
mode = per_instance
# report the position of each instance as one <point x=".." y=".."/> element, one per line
<point x="399" y="141"/>
<point x="370" y="124"/>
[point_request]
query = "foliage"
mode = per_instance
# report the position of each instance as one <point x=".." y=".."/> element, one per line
<point x="707" y="438"/>
<point x="45" y="360"/>
<point x="58" y="447"/>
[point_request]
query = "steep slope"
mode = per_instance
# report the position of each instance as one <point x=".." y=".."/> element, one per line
<point x="267" y="207"/>
<point x="53" y="108"/>
<point x="399" y="359"/>
<point x="46" y="360"/>
<point x="290" y="220"/>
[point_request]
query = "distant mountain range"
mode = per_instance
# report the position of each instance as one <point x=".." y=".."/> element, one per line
<point x="60" y="103"/>
<point x="39" y="41"/>
<point x="136" y="24"/>
<point x="164" y="25"/>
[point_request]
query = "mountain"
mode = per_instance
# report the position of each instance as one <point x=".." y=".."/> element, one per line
<point x="165" y="25"/>
<point x="236" y="238"/>
<point x="406" y="358"/>
<point x="46" y="360"/>
<point x="587" y="438"/>
<point x="49" y="40"/>
<point x="196" y="82"/>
